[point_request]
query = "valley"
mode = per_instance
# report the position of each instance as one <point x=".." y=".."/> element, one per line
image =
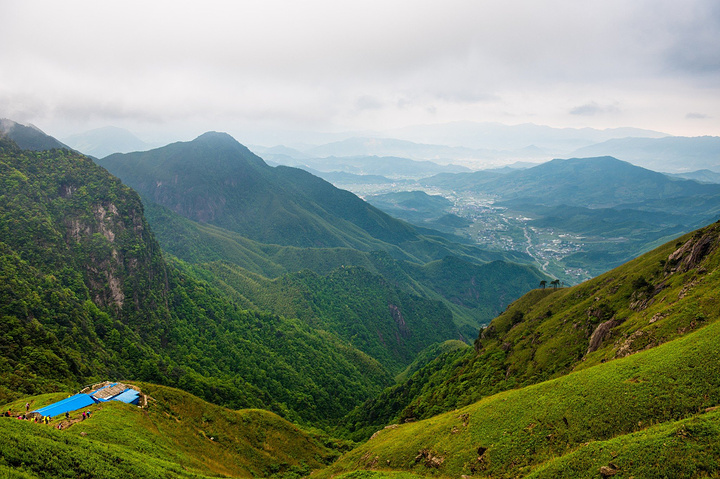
<point x="282" y="326"/>
<point x="568" y="237"/>
<point x="360" y="240"/>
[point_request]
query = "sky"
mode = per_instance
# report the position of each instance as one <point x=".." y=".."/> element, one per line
<point x="174" y="69"/>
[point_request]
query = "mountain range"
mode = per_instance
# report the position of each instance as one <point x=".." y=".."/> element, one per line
<point x="670" y="154"/>
<point x="347" y="325"/>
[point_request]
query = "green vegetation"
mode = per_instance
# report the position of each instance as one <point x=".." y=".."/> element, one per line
<point x="362" y="308"/>
<point x="87" y="295"/>
<point x="512" y="433"/>
<point x="582" y="216"/>
<point x="549" y="332"/>
<point x="597" y="377"/>
<point x="215" y="180"/>
<point x="212" y="200"/>
<point x="178" y="435"/>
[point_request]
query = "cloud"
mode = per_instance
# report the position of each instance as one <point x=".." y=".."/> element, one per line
<point x="359" y="64"/>
<point x="593" y="108"/>
<point x="697" y="116"/>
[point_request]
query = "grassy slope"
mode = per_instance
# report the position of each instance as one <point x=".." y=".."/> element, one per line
<point x="170" y="438"/>
<point x="653" y="299"/>
<point x="516" y="431"/>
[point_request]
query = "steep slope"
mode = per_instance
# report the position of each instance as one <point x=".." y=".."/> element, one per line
<point x="382" y="320"/>
<point x="87" y="294"/>
<point x="556" y="423"/>
<point x="214" y="179"/>
<point x="653" y="299"/>
<point x="178" y="435"/>
<point x="28" y="137"/>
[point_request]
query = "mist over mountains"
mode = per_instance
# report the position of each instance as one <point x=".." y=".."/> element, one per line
<point x="105" y="141"/>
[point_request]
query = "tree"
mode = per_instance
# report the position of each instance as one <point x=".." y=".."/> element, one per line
<point x="543" y="283"/>
<point x="555" y="283"/>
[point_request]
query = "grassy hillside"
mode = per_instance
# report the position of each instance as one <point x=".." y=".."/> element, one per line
<point x="653" y="299"/>
<point x="555" y="424"/>
<point x="178" y="435"/>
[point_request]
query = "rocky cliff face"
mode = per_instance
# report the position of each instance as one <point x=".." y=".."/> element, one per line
<point x="63" y="212"/>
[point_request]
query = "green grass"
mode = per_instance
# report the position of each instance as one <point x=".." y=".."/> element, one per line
<point x="546" y="334"/>
<point x="178" y="435"/>
<point x="681" y="449"/>
<point x="521" y="429"/>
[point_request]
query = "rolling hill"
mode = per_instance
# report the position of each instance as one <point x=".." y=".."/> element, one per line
<point x="599" y="182"/>
<point x="102" y="142"/>
<point x="177" y="435"/>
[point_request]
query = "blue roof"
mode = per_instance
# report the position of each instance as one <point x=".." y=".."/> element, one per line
<point x="129" y="396"/>
<point x="73" y="403"/>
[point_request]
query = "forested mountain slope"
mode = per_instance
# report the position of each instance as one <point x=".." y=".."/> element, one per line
<point x="215" y="180"/>
<point x="211" y="199"/>
<point x="86" y="294"/>
<point x="599" y="182"/>
<point x="651" y="300"/>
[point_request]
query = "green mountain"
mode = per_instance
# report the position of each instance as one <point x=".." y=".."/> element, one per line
<point x="621" y="210"/>
<point x="600" y="182"/>
<point x="86" y="294"/>
<point x="651" y="414"/>
<point x="215" y="180"/>
<point x="343" y="231"/>
<point x="28" y="137"/>
<point x="412" y="206"/>
<point x="607" y="376"/>
<point x="547" y="333"/>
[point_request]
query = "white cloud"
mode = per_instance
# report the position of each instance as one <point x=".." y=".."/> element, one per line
<point x="327" y="64"/>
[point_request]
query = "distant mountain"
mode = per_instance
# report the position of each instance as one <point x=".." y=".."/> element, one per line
<point x="590" y="182"/>
<point x="391" y="147"/>
<point x="390" y="166"/>
<point x="105" y="141"/>
<point x="497" y="136"/>
<point x="343" y="178"/>
<point x="675" y="154"/>
<point x="413" y="206"/>
<point x="28" y="137"/>
<point x="701" y="176"/>
<point x="623" y="209"/>
<point x="214" y="179"/>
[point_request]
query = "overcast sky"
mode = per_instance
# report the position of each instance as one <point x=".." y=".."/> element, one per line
<point x="178" y="68"/>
